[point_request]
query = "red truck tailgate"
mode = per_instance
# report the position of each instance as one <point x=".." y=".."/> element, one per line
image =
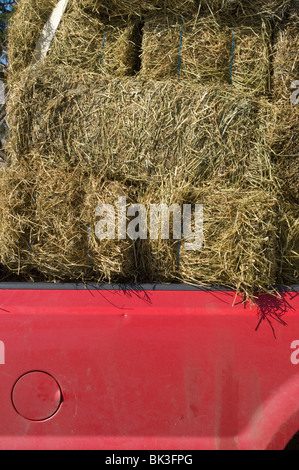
<point x="147" y="368"/>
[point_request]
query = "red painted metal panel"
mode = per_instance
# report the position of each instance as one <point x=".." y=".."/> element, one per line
<point x="151" y="369"/>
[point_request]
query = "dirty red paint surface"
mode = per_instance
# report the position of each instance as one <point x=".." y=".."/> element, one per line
<point x="150" y="369"/>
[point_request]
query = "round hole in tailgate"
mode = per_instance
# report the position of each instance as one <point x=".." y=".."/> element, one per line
<point x="36" y="396"/>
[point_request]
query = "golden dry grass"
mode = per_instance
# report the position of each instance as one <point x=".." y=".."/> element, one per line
<point x="85" y="128"/>
<point x="240" y="239"/>
<point x="208" y="49"/>
<point x="48" y="226"/>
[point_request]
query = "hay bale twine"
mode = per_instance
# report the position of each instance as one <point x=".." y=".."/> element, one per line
<point x="204" y="54"/>
<point x="208" y="49"/>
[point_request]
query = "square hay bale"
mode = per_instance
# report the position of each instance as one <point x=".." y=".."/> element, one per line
<point x="134" y="131"/>
<point x="87" y="39"/>
<point x="93" y="42"/>
<point x="208" y="49"/>
<point x="204" y="54"/>
<point x="286" y="56"/>
<point x="240" y="240"/>
<point x="48" y="226"/>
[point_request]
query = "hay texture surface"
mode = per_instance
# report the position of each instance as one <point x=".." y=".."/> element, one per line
<point x="86" y="39"/>
<point x="132" y="131"/>
<point x="48" y="226"/>
<point x="240" y="240"/>
<point x="274" y="8"/>
<point x="208" y="49"/>
<point x="286" y="56"/>
<point x="191" y="127"/>
<point x="204" y="55"/>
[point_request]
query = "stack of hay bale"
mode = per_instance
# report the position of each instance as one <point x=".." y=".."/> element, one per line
<point x="180" y="102"/>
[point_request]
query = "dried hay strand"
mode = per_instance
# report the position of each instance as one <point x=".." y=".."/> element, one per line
<point x="133" y="131"/>
<point x="91" y="42"/>
<point x="205" y="49"/>
<point x="288" y="172"/>
<point x="48" y="220"/>
<point x="85" y="39"/>
<point x="240" y="240"/>
<point x="24" y="30"/>
<point x="142" y="7"/>
<point x="273" y="8"/>
<point x="208" y="49"/>
<point x="286" y="56"/>
<point x="16" y="212"/>
<point x="251" y="67"/>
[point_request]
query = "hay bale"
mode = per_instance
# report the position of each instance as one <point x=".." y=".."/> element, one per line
<point x="16" y="212"/>
<point x="239" y="240"/>
<point x="208" y="49"/>
<point x="48" y="232"/>
<point x="131" y="131"/>
<point x="205" y="49"/>
<point x="48" y="226"/>
<point x="286" y="56"/>
<point x="92" y="42"/>
<point x="86" y="39"/>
